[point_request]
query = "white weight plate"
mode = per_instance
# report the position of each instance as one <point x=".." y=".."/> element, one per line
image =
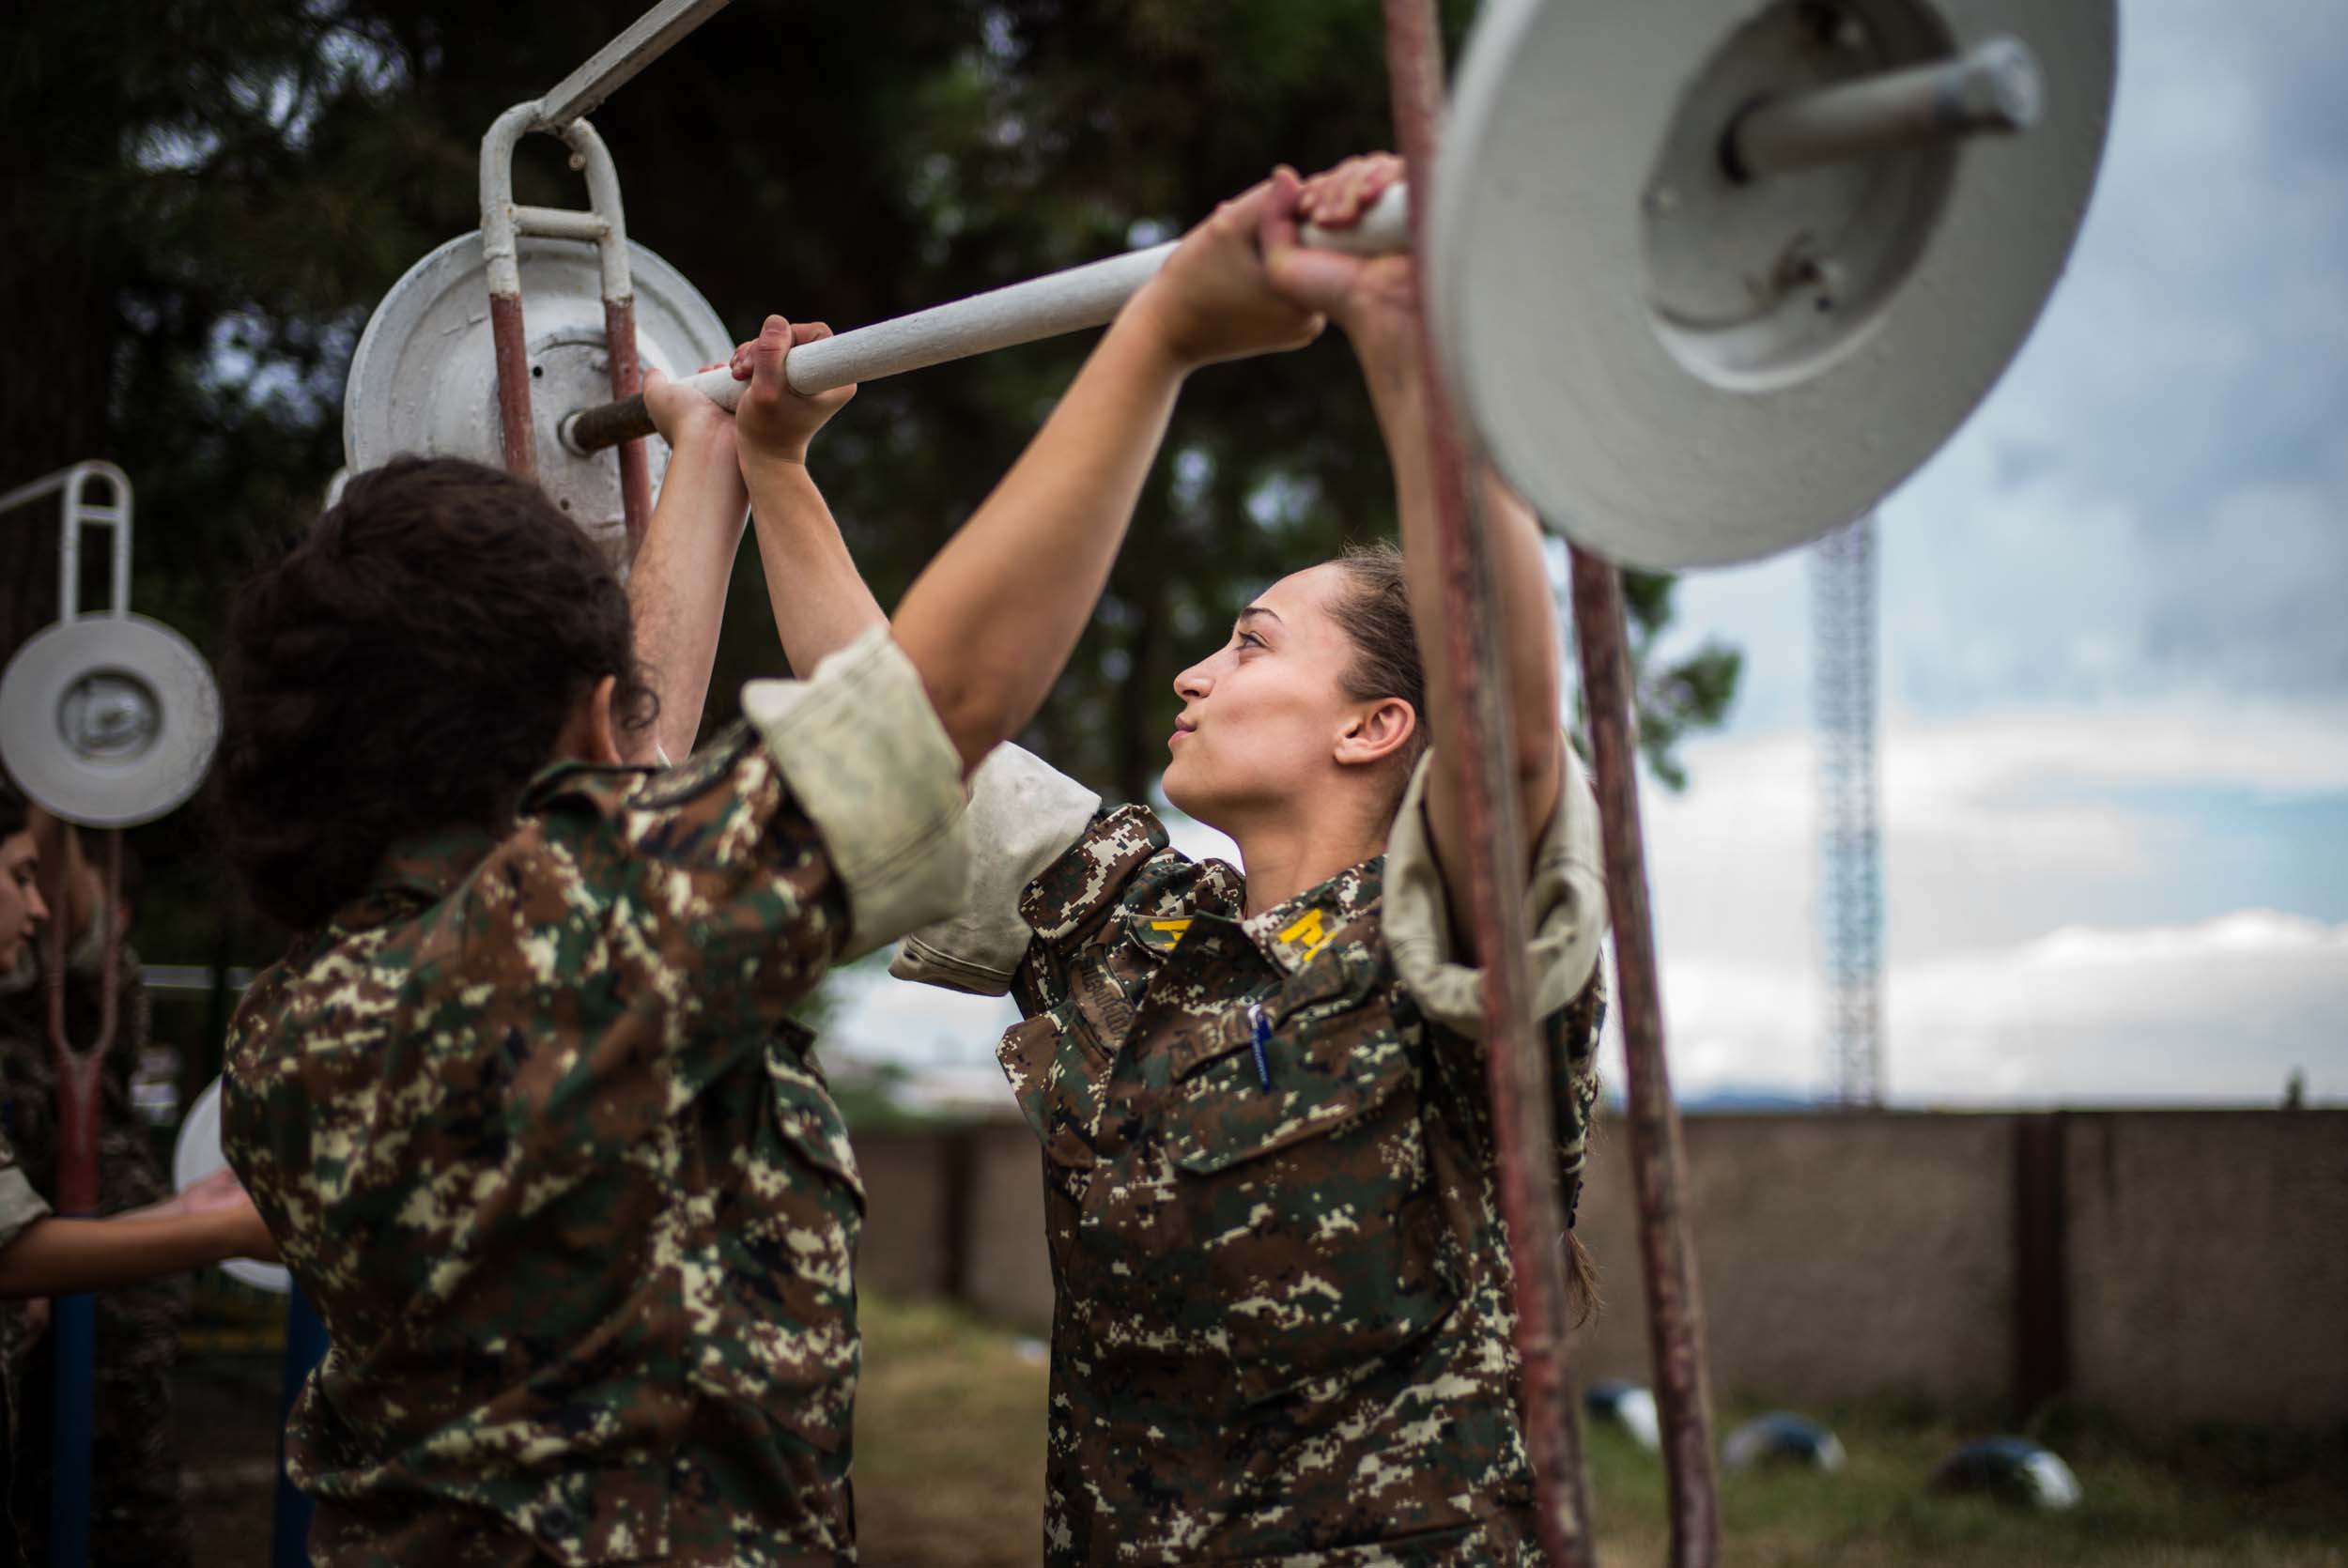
<point x="1565" y="281"/>
<point x="424" y="378"/>
<point x="108" y="721"/>
<point x="197" y="1155"/>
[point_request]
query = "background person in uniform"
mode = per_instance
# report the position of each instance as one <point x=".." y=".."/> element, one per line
<point x="1283" y="1323"/>
<point x="521" y="1101"/>
<point x="138" y="1519"/>
<point x="38" y="1254"/>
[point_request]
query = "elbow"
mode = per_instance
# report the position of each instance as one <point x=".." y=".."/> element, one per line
<point x="975" y="719"/>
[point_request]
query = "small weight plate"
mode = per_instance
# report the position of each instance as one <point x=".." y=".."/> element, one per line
<point x="197" y="1155"/>
<point x="1678" y="369"/>
<point x="108" y="721"/>
<point x="424" y="378"/>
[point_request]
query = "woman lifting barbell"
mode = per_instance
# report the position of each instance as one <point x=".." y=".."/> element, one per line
<point x="522" y="1101"/>
<point x="1283" y="1321"/>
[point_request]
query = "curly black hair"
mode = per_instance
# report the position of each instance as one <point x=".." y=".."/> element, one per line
<point x="408" y="664"/>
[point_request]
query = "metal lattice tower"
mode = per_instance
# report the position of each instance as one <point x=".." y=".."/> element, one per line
<point x="1850" y="859"/>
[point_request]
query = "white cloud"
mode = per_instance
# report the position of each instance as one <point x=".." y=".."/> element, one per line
<point x="2225" y="1009"/>
<point x="2115" y="660"/>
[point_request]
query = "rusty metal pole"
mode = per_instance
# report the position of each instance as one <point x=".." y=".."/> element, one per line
<point x="1523" y="1133"/>
<point x="1658" y="1167"/>
<point x="75" y="1333"/>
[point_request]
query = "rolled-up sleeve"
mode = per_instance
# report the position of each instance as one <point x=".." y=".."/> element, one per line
<point x="1565" y="908"/>
<point x="20" y="1205"/>
<point x="1024" y="815"/>
<point x="873" y="767"/>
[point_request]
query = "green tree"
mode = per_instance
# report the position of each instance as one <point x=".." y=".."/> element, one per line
<point x="206" y="198"/>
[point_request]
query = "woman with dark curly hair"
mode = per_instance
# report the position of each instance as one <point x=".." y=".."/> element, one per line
<point x="522" y="1101"/>
<point x="1283" y="1314"/>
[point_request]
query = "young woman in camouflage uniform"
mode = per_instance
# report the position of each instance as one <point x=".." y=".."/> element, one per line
<point x="522" y="1101"/>
<point x="1283" y="1322"/>
<point x="41" y="1255"/>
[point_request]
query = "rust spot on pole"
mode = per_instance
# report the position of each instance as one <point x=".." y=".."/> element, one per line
<point x="79" y="1070"/>
<point x="513" y="356"/>
<point x="627" y="380"/>
<point x="1658" y="1167"/>
<point x="1524" y="1136"/>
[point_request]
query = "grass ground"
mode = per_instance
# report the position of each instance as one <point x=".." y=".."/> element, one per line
<point x="950" y="1472"/>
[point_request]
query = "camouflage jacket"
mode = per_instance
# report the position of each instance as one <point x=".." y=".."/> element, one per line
<point x="128" y="1173"/>
<point x="534" y="1135"/>
<point x="1283" y="1323"/>
<point x="20" y="1208"/>
<point x="20" y="1205"/>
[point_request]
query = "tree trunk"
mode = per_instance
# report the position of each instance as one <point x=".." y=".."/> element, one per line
<point x="1137" y="762"/>
<point x="53" y="365"/>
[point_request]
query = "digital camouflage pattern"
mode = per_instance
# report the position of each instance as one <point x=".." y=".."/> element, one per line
<point x="1284" y="1321"/>
<point x="534" y="1135"/>
<point x="20" y="1208"/>
<point x="138" y="1518"/>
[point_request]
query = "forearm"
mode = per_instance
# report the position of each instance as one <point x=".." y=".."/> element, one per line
<point x="677" y="587"/>
<point x="58" y="1257"/>
<point x="819" y="599"/>
<point x="991" y="619"/>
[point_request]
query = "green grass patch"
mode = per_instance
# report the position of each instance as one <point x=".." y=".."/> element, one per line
<point x="2247" y="1499"/>
<point x="950" y="1474"/>
<point x="948" y="1441"/>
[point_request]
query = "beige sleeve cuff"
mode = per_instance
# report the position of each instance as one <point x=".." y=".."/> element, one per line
<point x="20" y="1205"/>
<point x="1565" y="908"/>
<point x="1024" y="814"/>
<point x="864" y="753"/>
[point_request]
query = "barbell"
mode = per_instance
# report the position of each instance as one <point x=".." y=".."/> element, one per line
<point x="1708" y="281"/>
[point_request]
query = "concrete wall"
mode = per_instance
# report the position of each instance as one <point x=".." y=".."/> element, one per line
<point x="2200" y="1259"/>
<point x="2209" y="1264"/>
<point x="1838" y="1256"/>
<point x="957" y="1213"/>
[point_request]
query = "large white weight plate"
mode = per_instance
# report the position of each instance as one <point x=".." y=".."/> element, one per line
<point x="197" y="1155"/>
<point x="1679" y="370"/>
<point x="108" y="721"/>
<point x="424" y="378"/>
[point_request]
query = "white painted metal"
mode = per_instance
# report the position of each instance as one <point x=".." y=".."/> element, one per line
<point x="111" y="721"/>
<point x="1680" y="369"/>
<point x="196" y="1155"/>
<point x="610" y="68"/>
<point x="1058" y="302"/>
<point x="77" y="511"/>
<point x="424" y="378"/>
<point x="503" y="221"/>
<point x="1994" y="87"/>
<point x="561" y="222"/>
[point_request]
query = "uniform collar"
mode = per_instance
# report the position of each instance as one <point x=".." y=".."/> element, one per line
<point x="1293" y="932"/>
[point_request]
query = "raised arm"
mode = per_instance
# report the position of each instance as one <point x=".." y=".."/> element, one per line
<point x="990" y="621"/>
<point x="1376" y="302"/>
<point x="819" y="599"/>
<point x="676" y="589"/>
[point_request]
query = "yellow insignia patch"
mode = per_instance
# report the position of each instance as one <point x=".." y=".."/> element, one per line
<point x="1309" y="931"/>
<point x="1161" y="935"/>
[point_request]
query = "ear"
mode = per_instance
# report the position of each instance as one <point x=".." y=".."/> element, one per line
<point x="1377" y="731"/>
<point x="588" y="735"/>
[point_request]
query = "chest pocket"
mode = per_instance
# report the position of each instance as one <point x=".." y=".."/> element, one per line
<point x="1310" y="1215"/>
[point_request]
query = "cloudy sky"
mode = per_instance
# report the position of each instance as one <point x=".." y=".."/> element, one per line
<point x="2115" y="661"/>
